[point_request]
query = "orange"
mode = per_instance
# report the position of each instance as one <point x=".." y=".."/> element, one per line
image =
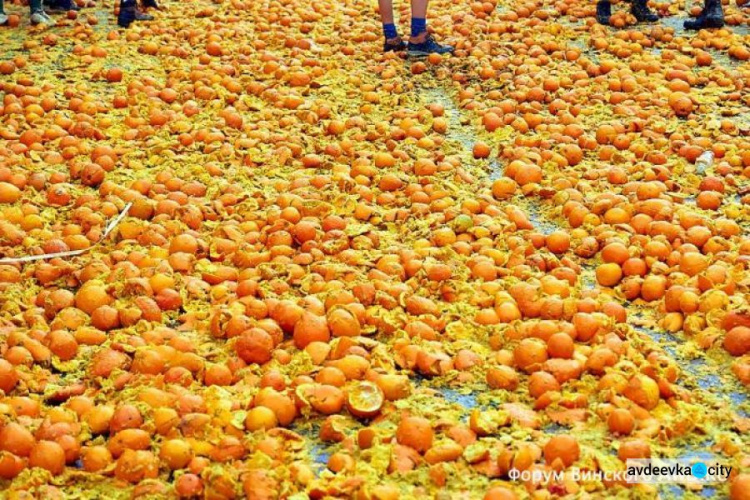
<point x="95" y="458"/>
<point x="183" y="243"/>
<point x="737" y="341"/>
<point x="365" y="399"/>
<point x="653" y="287"/>
<point x="9" y="193"/>
<point x="529" y="174"/>
<point x="213" y="49"/>
<point x="643" y="391"/>
<point x="343" y="323"/>
<point x="114" y="75"/>
<point x="738" y="487"/>
<point x="255" y="346"/>
<point x="621" y="421"/>
<point x="632" y="449"/>
<point x="8" y="376"/>
<point x="615" y="252"/>
<point x="491" y="121"/>
<point x="326" y="399"/>
<point x="708" y="200"/>
<point x="394" y="386"/>
<point x="384" y="160"/>
<point x="542" y="382"/>
<point x="48" y="455"/>
<point x="503" y="188"/>
<point x="681" y="104"/>
<point x="415" y="432"/>
<point x="562" y="447"/>
<point x="560" y="345"/>
<point x="135" y="466"/>
<point x="558" y="242"/>
<point x="188" y="485"/>
<point x="530" y="354"/>
<point x="390" y="182"/>
<point x="608" y="274"/>
<point x="260" y="417"/>
<point x="16" y="439"/>
<point x="176" y="453"/>
<point x="481" y="150"/>
<point x="311" y="328"/>
<point x="500" y="493"/>
<point x="92" y="296"/>
<point x="282" y="406"/>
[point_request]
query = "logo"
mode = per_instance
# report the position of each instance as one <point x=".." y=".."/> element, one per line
<point x="656" y="471"/>
<point x="652" y="471"/>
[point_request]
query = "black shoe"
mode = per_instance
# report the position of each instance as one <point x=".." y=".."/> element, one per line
<point x="642" y="13"/>
<point x="603" y="12"/>
<point x="712" y="16"/>
<point x="394" y="45"/>
<point x="429" y="46"/>
<point x="62" y="6"/>
<point x="129" y="12"/>
<point x="149" y="4"/>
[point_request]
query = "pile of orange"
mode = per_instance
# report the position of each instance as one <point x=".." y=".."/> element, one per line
<point x="346" y="276"/>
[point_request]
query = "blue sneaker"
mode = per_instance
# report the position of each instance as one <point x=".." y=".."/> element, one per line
<point x="394" y="45"/>
<point x="429" y="46"/>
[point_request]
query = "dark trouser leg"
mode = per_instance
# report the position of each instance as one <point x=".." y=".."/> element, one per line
<point x="603" y="12"/>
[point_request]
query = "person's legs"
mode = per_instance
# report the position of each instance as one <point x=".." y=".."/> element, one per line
<point x="712" y="16"/>
<point x="3" y="15"/>
<point x="392" y="41"/>
<point x="418" y="17"/>
<point x="386" y="11"/>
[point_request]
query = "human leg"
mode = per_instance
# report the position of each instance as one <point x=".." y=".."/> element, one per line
<point x="603" y="12"/>
<point x="392" y="41"/>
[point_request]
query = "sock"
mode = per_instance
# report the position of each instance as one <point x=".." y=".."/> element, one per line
<point x="389" y="30"/>
<point x="418" y="26"/>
